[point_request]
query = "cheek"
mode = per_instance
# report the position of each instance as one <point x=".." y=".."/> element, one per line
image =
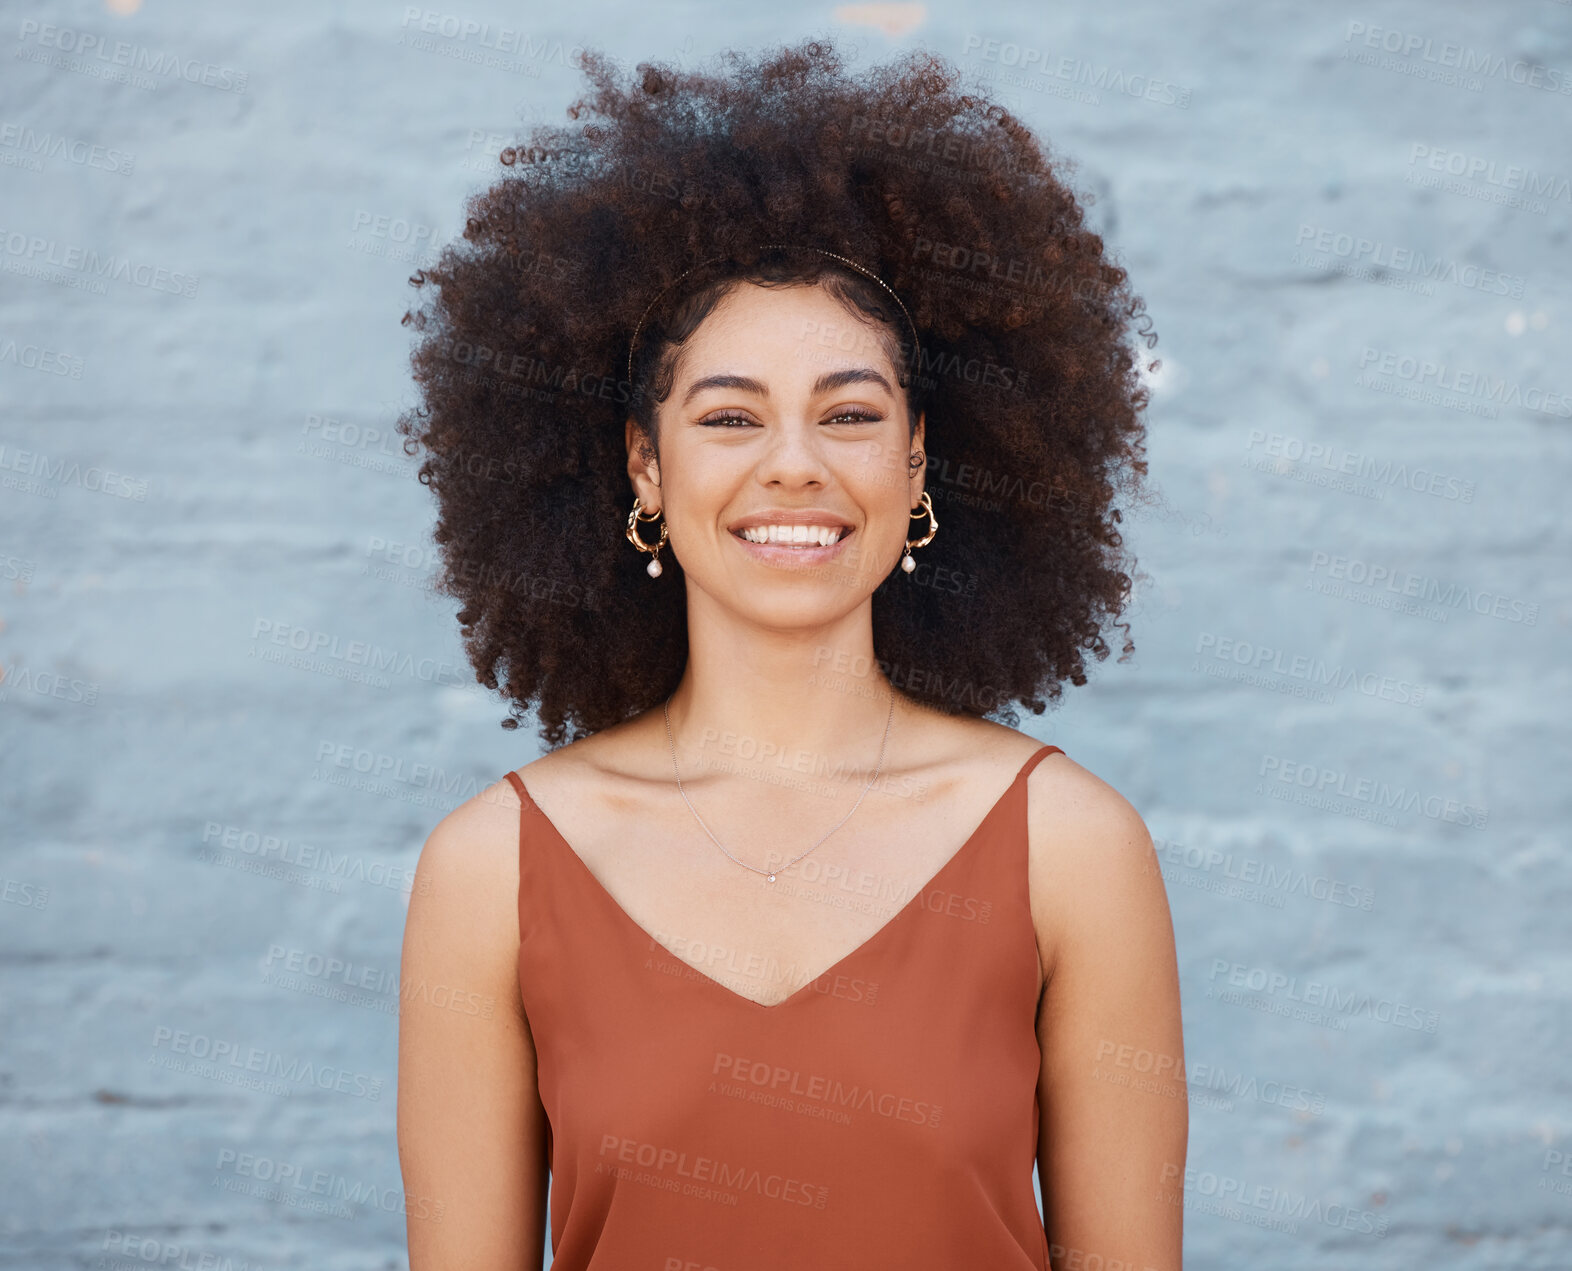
<point x="877" y="472"/>
<point x="695" y="504"/>
<point x="879" y="482"/>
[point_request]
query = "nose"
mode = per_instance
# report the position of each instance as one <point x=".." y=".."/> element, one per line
<point x="793" y="455"/>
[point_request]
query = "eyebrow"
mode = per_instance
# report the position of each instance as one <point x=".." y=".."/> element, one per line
<point x="824" y="384"/>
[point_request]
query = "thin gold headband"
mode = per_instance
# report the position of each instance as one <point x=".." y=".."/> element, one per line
<point x="850" y="264"/>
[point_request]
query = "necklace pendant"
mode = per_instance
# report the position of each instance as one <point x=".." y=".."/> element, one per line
<point x="770" y="879"/>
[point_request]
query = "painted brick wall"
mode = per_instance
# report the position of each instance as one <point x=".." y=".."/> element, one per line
<point x="1345" y="723"/>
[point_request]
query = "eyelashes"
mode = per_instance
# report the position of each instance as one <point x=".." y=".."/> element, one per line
<point x="854" y="415"/>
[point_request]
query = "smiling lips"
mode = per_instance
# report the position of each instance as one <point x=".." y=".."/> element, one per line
<point x="798" y="535"/>
<point x="793" y="534"/>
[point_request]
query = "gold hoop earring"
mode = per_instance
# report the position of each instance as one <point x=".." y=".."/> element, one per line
<point x="924" y="508"/>
<point x="653" y="569"/>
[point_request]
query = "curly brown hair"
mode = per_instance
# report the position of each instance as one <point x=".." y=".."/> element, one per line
<point x="1024" y="365"/>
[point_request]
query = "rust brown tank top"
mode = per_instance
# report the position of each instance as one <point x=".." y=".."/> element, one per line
<point x="883" y="1116"/>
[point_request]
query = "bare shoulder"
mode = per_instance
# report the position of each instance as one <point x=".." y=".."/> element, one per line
<point x="462" y="917"/>
<point x="1093" y="868"/>
<point x="1108" y="1147"/>
<point x="1069" y="808"/>
<point x="476" y="841"/>
<point x="471" y="1130"/>
<point x="1067" y="801"/>
<point x="966" y="749"/>
<point x="588" y="767"/>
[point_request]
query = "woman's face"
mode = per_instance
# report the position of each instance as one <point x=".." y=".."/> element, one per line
<point x="784" y="412"/>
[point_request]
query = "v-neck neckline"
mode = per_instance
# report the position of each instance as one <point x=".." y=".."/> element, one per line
<point x="622" y="915"/>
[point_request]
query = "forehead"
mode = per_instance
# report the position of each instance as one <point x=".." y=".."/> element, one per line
<point x="803" y="325"/>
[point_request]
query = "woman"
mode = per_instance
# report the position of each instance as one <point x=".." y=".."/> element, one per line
<point x="776" y="420"/>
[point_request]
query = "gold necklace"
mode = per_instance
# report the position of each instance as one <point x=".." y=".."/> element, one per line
<point x="769" y="875"/>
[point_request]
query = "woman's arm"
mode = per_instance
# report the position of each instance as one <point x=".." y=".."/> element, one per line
<point x="1115" y="1110"/>
<point x="471" y="1129"/>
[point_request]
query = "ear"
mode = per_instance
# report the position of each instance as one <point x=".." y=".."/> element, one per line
<point x="643" y="468"/>
<point x="919" y="474"/>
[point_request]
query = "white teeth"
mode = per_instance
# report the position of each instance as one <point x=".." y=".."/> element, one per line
<point x="807" y="535"/>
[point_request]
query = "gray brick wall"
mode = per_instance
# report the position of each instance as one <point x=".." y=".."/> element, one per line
<point x="1345" y="723"/>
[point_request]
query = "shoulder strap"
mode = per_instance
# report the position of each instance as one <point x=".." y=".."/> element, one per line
<point x="527" y="806"/>
<point x="1038" y="758"/>
<point x="1021" y="852"/>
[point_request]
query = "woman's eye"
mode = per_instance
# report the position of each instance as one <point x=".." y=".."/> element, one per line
<point x="854" y="416"/>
